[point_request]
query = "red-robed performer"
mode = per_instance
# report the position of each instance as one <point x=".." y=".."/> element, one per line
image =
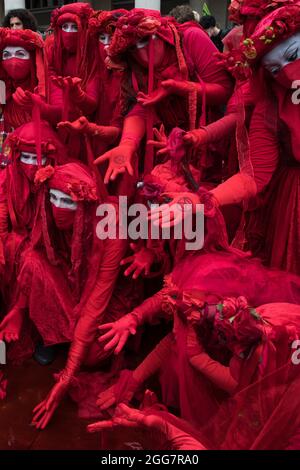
<point x="105" y="131"/>
<point x="271" y="52"/>
<point x="80" y="269"/>
<point x="247" y="13"/>
<point x="261" y="378"/>
<point x="106" y="127"/>
<point x="68" y="96"/>
<point x="157" y="74"/>
<point x="22" y="70"/>
<point x="18" y="196"/>
<point x="68" y="274"/>
<point x="214" y="272"/>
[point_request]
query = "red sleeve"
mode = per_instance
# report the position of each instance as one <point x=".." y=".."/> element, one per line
<point x="221" y="128"/>
<point x="200" y="54"/>
<point x="92" y="312"/>
<point x="263" y="145"/>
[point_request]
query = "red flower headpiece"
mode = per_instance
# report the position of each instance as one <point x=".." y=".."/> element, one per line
<point x="73" y="12"/>
<point x="25" y="38"/>
<point x="241" y="10"/>
<point x="72" y="178"/>
<point x="105" y="21"/>
<point x="137" y="24"/>
<point x="274" y="28"/>
<point x="238" y="324"/>
<point x="24" y="139"/>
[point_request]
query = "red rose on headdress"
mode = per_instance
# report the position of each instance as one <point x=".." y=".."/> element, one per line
<point x="234" y="11"/>
<point x="81" y="191"/>
<point x="239" y="325"/>
<point x="43" y="174"/>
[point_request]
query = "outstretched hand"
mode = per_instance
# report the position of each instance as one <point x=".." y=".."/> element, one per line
<point x="140" y="261"/>
<point x="118" y="332"/>
<point x="45" y="410"/>
<point x="119" y="161"/>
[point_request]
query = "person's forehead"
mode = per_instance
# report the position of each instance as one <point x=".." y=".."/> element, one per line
<point x="29" y="154"/>
<point x="14" y="48"/>
<point x="15" y="19"/>
<point x="59" y="193"/>
<point x="280" y="49"/>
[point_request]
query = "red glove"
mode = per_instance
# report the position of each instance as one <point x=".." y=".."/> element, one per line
<point x="129" y="383"/>
<point x="161" y="142"/>
<point x="128" y="417"/>
<point x="171" y="214"/>
<point x="11" y="325"/>
<point x="236" y="189"/>
<point x="120" y="158"/>
<point x="85" y="102"/>
<point x="26" y="99"/>
<point x="215" y="94"/>
<point x="140" y="262"/>
<point x="122" y="392"/>
<point x="83" y="126"/>
<point x="45" y="410"/>
<point x="196" y="138"/>
<point x="119" y="331"/>
<point x="155" y="97"/>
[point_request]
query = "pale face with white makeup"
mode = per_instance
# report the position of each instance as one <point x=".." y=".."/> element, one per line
<point x="105" y="39"/>
<point x="18" y="52"/>
<point x="69" y="27"/>
<point x="62" y="200"/>
<point x="31" y="158"/>
<point x="283" y="54"/>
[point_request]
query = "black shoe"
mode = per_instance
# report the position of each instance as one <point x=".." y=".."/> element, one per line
<point x="44" y="355"/>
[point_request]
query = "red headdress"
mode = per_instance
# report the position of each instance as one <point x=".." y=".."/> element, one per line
<point x="140" y="23"/>
<point x="271" y="30"/>
<point x="105" y="21"/>
<point x="78" y="13"/>
<point x="250" y="12"/>
<point x="99" y="22"/>
<point x="72" y="178"/>
<point x="33" y="43"/>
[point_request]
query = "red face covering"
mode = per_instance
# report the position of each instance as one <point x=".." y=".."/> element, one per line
<point x="17" y="69"/>
<point x="29" y="170"/>
<point x="64" y="218"/>
<point x="70" y="40"/>
<point x="289" y="74"/>
<point x="142" y="55"/>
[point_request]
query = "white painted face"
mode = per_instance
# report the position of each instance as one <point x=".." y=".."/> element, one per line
<point x="105" y="39"/>
<point x="69" y="27"/>
<point x="62" y="200"/>
<point x="283" y="54"/>
<point x="15" y="52"/>
<point x="31" y="158"/>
